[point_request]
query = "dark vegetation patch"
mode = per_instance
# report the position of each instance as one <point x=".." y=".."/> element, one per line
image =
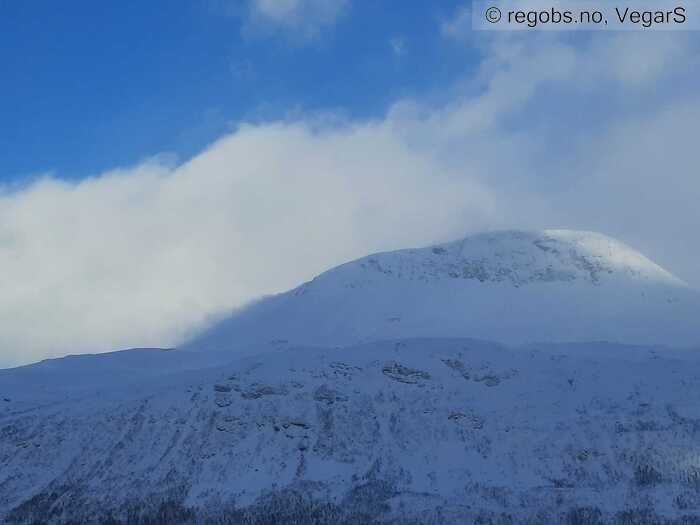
<point x="366" y="505"/>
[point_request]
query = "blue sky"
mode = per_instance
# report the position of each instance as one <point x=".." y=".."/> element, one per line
<point x="165" y="163"/>
<point x="89" y="86"/>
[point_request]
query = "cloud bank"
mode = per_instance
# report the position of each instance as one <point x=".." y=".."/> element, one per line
<point x="592" y="134"/>
<point x="142" y="256"/>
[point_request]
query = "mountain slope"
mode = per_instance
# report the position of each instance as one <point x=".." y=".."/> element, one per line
<point x="358" y="398"/>
<point x="513" y="287"/>
<point x="407" y="431"/>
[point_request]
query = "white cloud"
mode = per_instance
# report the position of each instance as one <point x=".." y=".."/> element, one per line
<point x="141" y="256"/>
<point x="304" y="19"/>
<point x="550" y="133"/>
<point x="459" y="25"/>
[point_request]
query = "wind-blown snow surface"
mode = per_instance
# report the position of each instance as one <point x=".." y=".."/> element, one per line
<point x="511" y="287"/>
<point x="357" y="398"/>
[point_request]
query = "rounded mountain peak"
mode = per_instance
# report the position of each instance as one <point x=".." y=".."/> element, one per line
<point x="507" y="286"/>
<point x="517" y="258"/>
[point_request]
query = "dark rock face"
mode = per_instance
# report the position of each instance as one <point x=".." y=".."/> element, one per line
<point x="404" y="374"/>
<point x="257" y="391"/>
<point x="328" y="395"/>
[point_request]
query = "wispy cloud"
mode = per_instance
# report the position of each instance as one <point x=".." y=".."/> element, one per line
<point x="303" y="20"/>
<point x="458" y="26"/>
<point x="398" y="45"/>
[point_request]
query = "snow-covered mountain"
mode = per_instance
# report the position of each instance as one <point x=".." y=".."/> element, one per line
<point x="427" y="431"/>
<point x="362" y="397"/>
<point x="512" y="287"/>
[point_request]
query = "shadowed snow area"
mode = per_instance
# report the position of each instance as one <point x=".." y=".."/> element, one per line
<point x="430" y="430"/>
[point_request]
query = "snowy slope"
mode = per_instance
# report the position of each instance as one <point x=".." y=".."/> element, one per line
<point x="512" y="287"/>
<point x="436" y="430"/>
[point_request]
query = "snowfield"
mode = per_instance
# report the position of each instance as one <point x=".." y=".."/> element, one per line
<point x="510" y="287"/>
<point x="370" y="395"/>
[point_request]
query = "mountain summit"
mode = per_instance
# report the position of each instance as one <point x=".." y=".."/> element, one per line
<point x="520" y="258"/>
<point x="509" y="286"/>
